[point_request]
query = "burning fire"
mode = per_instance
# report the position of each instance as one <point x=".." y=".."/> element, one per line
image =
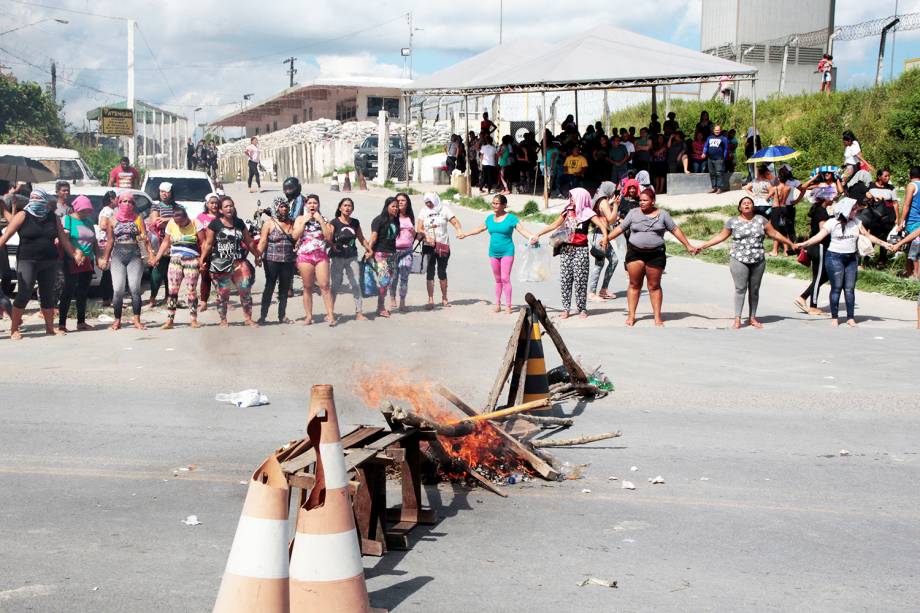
<point x="482" y="450"/>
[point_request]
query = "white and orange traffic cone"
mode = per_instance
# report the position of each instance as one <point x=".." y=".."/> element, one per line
<point x="256" y="577"/>
<point x="326" y="570"/>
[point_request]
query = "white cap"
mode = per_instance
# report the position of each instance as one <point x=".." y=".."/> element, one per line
<point x="844" y="206"/>
<point x="166" y="186"/>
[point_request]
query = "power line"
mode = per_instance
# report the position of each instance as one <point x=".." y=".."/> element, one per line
<point x="65" y="10"/>
<point x="155" y="62"/>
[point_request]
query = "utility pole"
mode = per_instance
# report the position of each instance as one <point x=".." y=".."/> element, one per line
<point x="501" y="16"/>
<point x="894" y="34"/>
<point x="411" y="34"/>
<point x="53" y="82"/>
<point x="291" y="71"/>
<point x="881" y="50"/>
<point x="130" y="101"/>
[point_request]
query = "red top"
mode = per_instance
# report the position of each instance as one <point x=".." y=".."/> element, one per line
<point x="127" y="177"/>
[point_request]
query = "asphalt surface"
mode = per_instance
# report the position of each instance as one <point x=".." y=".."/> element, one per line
<point x="760" y="510"/>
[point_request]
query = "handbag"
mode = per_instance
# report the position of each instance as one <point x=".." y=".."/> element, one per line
<point x="864" y="246"/>
<point x="368" y="281"/>
<point x="803" y="258"/>
<point x="417" y="266"/>
<point x="442" y="250"/>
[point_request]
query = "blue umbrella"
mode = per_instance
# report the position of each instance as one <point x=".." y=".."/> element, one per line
<point x="822" y="169"/>
<point x="773" y="154"/>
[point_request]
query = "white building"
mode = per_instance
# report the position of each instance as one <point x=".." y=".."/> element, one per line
<point x="760" y="33"/>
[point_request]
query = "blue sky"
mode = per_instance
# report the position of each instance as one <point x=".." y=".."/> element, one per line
<point x="209" y="53"/>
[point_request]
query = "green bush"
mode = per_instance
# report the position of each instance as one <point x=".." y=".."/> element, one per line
<point x="448" y="194"/>
<point x="531" y="208"/>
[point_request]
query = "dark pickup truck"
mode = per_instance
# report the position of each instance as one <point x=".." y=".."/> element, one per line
<point x="366" y="158"/>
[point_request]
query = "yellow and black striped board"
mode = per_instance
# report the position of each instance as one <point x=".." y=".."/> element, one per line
<point x="536" y="384"/>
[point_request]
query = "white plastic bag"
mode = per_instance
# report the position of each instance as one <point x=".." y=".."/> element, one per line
<point x="246" y="398"/>
<point x="535" y="263"/>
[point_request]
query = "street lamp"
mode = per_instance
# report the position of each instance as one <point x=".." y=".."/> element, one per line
<point x="35" y="23"/>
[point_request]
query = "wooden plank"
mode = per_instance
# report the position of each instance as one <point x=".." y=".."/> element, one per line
<point x="575" y="371"/>
<point x="515" y="389"/>
<point x="504" y="368"/>
<point x="390" y="439"/>
<point x="351" y="439"/>
<point x="539" y="464"/>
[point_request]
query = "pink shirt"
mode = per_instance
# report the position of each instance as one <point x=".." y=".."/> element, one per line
<point x="253" y="153"/>
<point x="406" y="235"/>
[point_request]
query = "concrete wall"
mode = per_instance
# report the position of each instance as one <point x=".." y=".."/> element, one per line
<point x="718" y="23"/>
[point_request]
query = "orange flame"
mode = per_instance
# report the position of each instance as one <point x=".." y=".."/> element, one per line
<point x="484" y="449"/>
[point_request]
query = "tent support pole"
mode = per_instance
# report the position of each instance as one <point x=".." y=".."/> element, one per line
<point x="546" y="169"/>
<point x="654" y="100"/>
<point x="466" y="141"/>
<point x="577" y="124"/>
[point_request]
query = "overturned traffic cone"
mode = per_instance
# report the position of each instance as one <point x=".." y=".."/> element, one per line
<point x="346" y="186"/>
<point x="256" y="578"/>
<point x="536" y="383"/>
<point x="326" y="570"/>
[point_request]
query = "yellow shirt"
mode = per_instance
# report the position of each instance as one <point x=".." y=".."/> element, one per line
<point x="575" y="164"/>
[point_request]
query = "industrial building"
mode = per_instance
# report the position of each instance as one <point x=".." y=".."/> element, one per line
<point x="761" y="34"/>
<point x="347" y="99"/>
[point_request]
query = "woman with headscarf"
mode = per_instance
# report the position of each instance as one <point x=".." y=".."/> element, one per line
<point x="571" y="243"/>
<point x="276" y="244"/>
<point x="37" y="258"/>
<point x="182" y="239"/>
<point x="606" y="206"/>
<point x="384" y="230"/>
<point x="343" y="256"/>
<point x="229" y="239"/>
<point x="106" y="214"/>
<point x="644" y="180"/>
<point x="501" y="226"/>
<point x="204" y="219"/>
<point x="645" y="252"/>
<point x="747" y="257"/>
<point x="313" y="235"/>
<point x="842" y="259"/>
<point x="82" y="233"/>
<point x="160" y="213"/>
<point x="433" y="220"/>
<point x="124" y="237"/>
<point x="405" y="241"/>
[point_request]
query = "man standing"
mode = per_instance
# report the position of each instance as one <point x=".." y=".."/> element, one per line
<point x="62" y="191"/>
<point x="486" y="126"/>
<point x="124" y="175"/>
<point x="487" y="162"/>
<point x="254" y="155"/>
<point x="908" y="218"/>
<point x="619" y="157"/>
<point x="715" y="151"/>
<point x="190" y="154"/>
<point x="575" y="165"/>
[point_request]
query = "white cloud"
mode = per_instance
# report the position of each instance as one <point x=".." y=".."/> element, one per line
<point x="362" y="64"/>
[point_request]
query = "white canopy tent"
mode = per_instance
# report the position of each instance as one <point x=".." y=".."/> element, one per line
<point x="604" y="57"/>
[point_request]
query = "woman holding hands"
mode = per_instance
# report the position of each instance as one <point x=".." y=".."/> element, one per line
<point x="747" y="261"/>
<point x="645" y="252"/>
<point x="501" y="226"/>
<point x="314" y="234"/>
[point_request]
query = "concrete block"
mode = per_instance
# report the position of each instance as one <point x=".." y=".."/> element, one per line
<point x="693" y="183"/>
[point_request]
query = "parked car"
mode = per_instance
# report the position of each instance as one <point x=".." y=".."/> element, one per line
<point x="366" y="158"/>
<point x="66" y="164"/>
<point x="190" y="187"/>
<point x="141" y="201"/>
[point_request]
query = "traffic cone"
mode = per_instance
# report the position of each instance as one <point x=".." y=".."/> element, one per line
<point x="362" y="182"/>
<point x="346" y="186"/>
<point x="326" y="570"/>
<point x="256" y="577"/>
<point x="536" y="384"/>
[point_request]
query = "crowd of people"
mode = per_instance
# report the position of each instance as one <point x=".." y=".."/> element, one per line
<point x="202" y="156"/>
<point x="586" y="159"/>
<point x="850" y="214"/>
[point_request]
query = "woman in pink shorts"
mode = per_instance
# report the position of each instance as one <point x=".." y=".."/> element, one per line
<point x="314" y="235"/>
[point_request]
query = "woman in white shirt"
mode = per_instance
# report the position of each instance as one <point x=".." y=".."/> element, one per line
<point x="432" y="221"/>
<point x="842" y="258"/>
<point x="852" y="156"/>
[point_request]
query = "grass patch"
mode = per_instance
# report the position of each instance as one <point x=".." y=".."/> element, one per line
<point x="389" y="184"/>
<point x="430" y="150"/>
<point x="728" y="210"/>
<point x="449" y="193"/>
<point x="869" y="280"/>
<point x="531" y="208"/>
<point x="700" y="227"/>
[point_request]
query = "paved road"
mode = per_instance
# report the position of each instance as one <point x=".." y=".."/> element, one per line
<point x="758" y="511"/>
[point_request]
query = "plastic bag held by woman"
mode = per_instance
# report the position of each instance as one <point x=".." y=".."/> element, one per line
<point x="535" y="263"/>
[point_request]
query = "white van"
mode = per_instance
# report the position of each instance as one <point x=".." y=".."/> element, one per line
<point x="66" y="164"/>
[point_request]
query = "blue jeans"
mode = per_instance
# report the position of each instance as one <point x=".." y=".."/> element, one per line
<point x="716" y="172"/>
<point x="618" y="173"/>
<point x="597" y="264"/>
<point x="698" y="166"/>
<point x="841" y="269"/>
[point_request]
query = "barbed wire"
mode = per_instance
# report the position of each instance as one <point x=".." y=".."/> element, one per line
<point x="818" y="38"/>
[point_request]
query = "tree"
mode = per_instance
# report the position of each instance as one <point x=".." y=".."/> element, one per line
<point x="28" y="116"/>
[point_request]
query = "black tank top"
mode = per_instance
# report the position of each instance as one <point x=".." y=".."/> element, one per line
<point x="36" y="238"/>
